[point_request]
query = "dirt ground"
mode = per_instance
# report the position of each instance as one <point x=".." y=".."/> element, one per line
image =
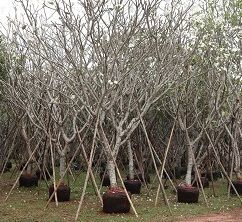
<point x="231" y="216"/>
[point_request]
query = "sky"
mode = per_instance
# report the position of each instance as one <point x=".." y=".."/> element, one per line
<point x="7" y="8"/>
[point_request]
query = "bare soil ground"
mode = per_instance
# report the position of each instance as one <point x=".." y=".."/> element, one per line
<point x="231" y="216"/>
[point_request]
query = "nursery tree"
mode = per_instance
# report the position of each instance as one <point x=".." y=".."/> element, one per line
<point x="4" y="123"/>
<point x="227" y="62"/>
<point x="94" y="72"/>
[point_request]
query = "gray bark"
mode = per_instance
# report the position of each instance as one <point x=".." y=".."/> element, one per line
<point x="111" y="173"/>
<point x="131" y="161"/>
<point x="62" y="165"/>
<point x="189" y="166"/>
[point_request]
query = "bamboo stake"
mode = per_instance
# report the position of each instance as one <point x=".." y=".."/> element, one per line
<point x="32" y="154"/>
<point x="97" y="191"/>
<point x="85" y="184"/>
<point x="221" y="165"/>
<point x="156" y="169"/>
<point x="91" y="172"/>
<point x="164" y="159"/>
<point x="9" y="154"/>
<point x="165" y="171"/>
<point x="210" y="171"/>
<point x="199" y="179"/>
<point x="126" y="192"/>
<point x="54" y="178"/>
<point x="146" y="185"/>
<point x="100" y="187"/>
<point x="88" y="171"/>
<point x="230" y="174"/>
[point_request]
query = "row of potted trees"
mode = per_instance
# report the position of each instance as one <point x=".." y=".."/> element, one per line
<point x="115" y="199"/>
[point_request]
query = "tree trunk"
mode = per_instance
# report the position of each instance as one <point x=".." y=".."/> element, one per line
<point x="189" y="165"/>
<point x="46" y="159"/>
<point x="131" y="161"/>
<point x="29" y="168"/>
<point x="235" y="132"/>
<point x="112" y="173"/>
<point x="30" y="164"/>
<point x="237" y="160"/>
<point x="62" y="165"/>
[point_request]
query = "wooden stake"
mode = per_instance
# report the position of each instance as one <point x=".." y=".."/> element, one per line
<point x="156" y="169"/>
<point x="221" y="165"/>
<point x="164" y="160"/>
<point x="32" y="154"/>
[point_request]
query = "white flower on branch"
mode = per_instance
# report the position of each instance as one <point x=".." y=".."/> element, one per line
<point x="235" y="50"/>
<point x="110" y="82"/>
<point x="226" y="55"/>
<point x="235" y="28"/>
<point x="202" y="45"/>
<point x="240" y="33"/>
<point x="223" y="69"/>
<point x="53" y="101"/>
<point x="118" y="6"/>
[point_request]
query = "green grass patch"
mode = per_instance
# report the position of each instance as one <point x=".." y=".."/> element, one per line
<point x="28" y="204"/>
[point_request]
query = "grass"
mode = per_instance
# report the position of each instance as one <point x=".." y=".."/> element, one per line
<point x="27" y="204"/>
